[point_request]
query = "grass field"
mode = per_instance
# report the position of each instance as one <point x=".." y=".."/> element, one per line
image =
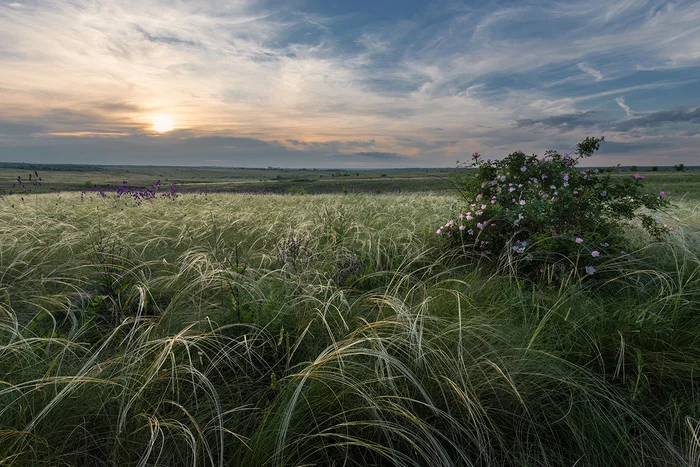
<point x="234" y="329"/>
<point x="57" y="178"/>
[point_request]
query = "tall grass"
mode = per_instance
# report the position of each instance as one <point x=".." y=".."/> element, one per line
<point x="330" y="330"/>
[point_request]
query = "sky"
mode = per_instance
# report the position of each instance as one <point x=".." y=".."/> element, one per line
<point x="331" y="83"/>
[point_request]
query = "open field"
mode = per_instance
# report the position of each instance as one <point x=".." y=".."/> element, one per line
<point x="233" y="329"/>
<point x="237" y="180"/>
<point x="58" y="178"/>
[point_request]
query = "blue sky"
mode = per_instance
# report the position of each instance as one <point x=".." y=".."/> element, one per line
<point x="346" y="84"/>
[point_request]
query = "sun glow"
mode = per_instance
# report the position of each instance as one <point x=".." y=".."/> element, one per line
<point x="162" y="123"/>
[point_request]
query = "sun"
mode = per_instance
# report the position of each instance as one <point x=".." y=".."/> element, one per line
<point x="162" y="123"/>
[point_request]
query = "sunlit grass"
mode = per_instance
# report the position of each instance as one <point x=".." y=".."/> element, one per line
<point x="330" y="330"/>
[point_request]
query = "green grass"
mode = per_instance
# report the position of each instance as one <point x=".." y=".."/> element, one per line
<point x="330" y="330"/>
<point x="61" y="177"/>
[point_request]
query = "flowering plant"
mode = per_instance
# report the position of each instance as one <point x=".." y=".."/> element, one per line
<point x="546" y="209"/>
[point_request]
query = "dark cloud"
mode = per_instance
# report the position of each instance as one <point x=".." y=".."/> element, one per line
<point x="330" y="146"/>
<point x="562" y="122"/>
<point x="614" y="147"/>
<point x="177" y="148"/>
<point x="67" y="116"/>
<point x="165" y="39"/>
<point x="384" y="156"/>
<point x="659" y="118"/>
<point x="91" y="119"/>
<point x="116" y="106"/>
<point x="425" y="145"/>
<point x="20" y="129"/>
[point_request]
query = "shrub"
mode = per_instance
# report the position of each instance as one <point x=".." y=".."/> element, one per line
<point x="543" y="211"/>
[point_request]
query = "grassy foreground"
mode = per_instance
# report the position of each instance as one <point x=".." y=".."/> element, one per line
<point x="329" y="330"/>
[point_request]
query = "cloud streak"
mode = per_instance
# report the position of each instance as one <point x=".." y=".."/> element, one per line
<point x="596" y="74"/>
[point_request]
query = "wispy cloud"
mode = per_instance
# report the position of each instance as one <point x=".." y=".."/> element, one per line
<point x="621" y="102"/>
<point x="596" y="74"/>
<point x="663" y="117"/>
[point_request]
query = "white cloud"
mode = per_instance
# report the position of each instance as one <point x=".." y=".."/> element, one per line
<point x="596" y="74"/>
<point x="621" y="102"/>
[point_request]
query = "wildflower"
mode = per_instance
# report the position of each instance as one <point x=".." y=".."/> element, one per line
<point x="470" y="232"/>
<point x="602" y="138"/>
<point x="479" y="225"/>
<point x="483" y="206"/>
<point x="523" y="169"/>
<point x="595" y="253"/>
<point x="462" y="227"/>
<point x="511" y="190"/>
<point x="522" y="202"/>
<point x="579" y="240"/>
<point x="493" y="201"/>
<point x="662" y="195"/>
<point x="566" y="177"/>
<point x="476" y="155"/>
<point x="469" y="217"/>
<point x="671" y="229"/>
<point x="638" y="177"/>
<point x="438" y="231"/>
<point x="590" y="269"/>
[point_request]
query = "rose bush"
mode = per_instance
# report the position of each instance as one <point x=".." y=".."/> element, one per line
<point x="545" y="210"/>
